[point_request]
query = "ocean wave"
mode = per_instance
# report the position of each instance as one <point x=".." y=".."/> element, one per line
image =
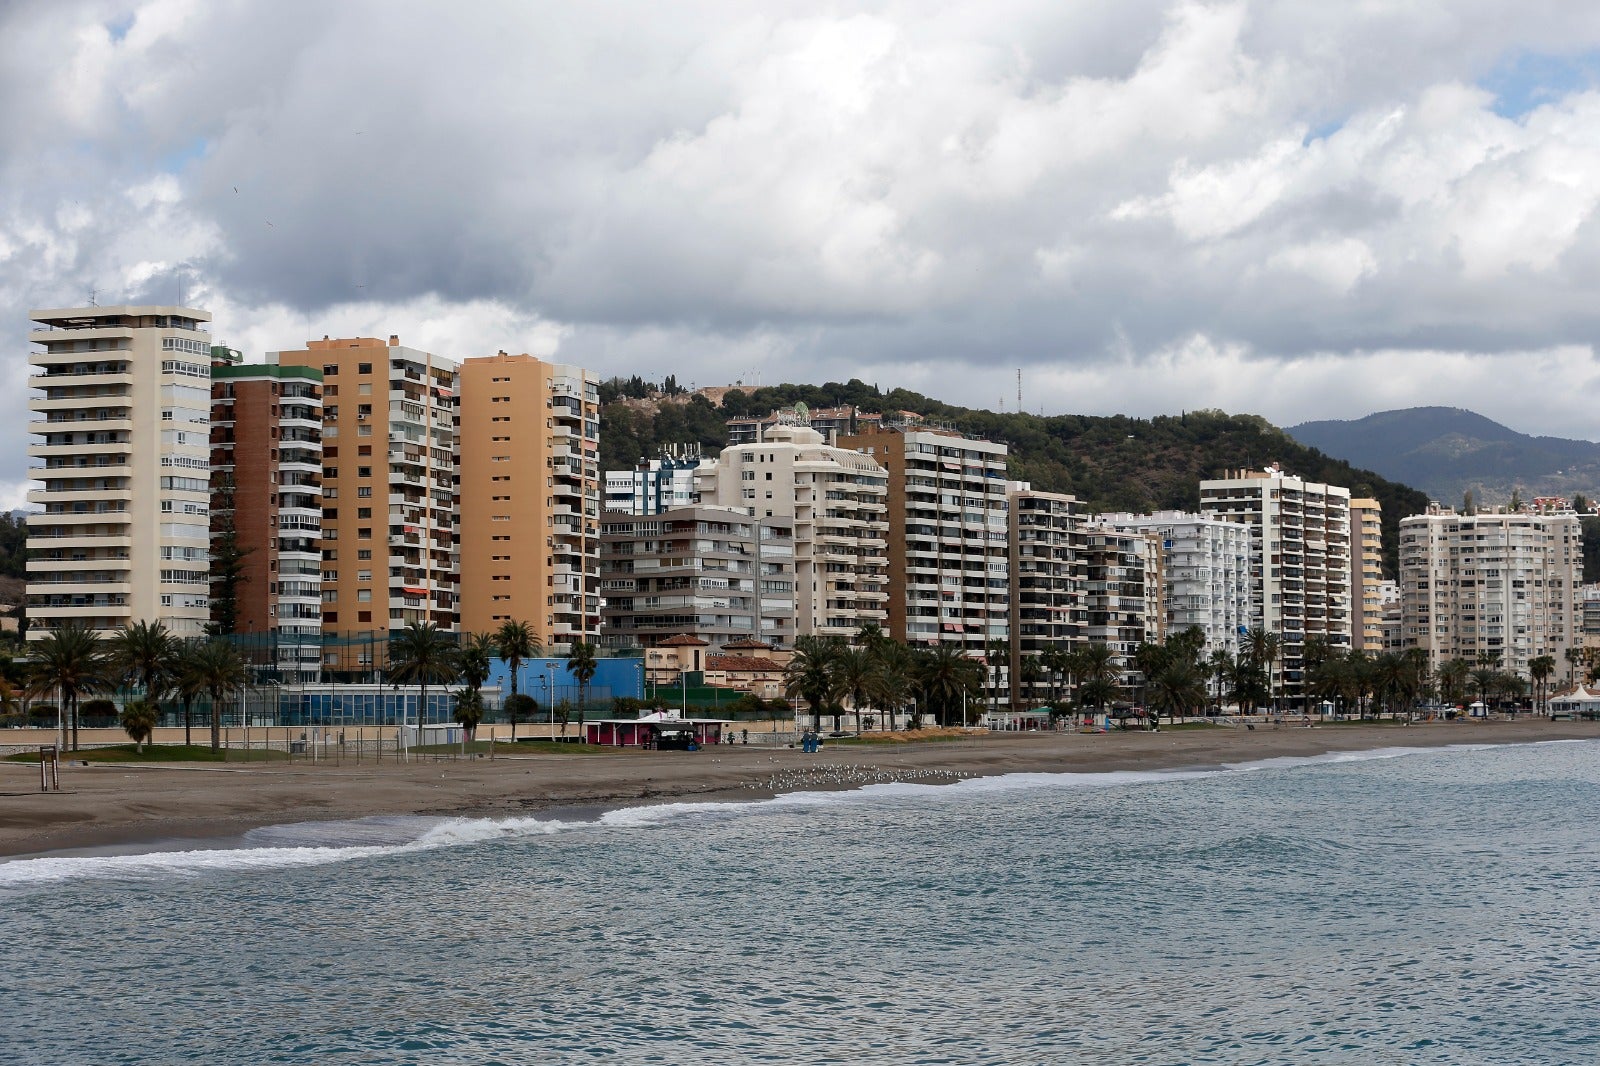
<point x="303" y="844"/>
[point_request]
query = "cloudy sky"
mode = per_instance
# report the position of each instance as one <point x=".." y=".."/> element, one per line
<point x="1297" y="208"/>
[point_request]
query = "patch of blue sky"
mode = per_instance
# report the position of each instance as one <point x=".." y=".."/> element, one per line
<point x="1528" y="80"/>
<point x="118" y="27"/>
<point x="175" y="161"/>
<point x="1322" y="131"/>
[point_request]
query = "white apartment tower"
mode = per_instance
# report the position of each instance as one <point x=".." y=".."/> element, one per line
<point x="1206" y="573"/>
<point x="834" y="499"/>
<point x="123" y="399"/>
<point x="1500" y="586"/>
<point x="1300" y="561"/>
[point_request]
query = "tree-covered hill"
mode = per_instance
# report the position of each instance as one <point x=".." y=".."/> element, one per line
<point x="1111" y="463"/>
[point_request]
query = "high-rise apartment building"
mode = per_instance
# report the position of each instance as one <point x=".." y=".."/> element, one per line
<point x="530" y="498"/>
<point x="1205" y="574"/>
<point x="1122" y="588"/>
<point x="655" y="485"/>
<point x="123" y="396"/>
<point x="1503" y="587"/>
<point x="266" y="508"/>
<point x="1366" y="574"/>
<point x="1047" y="539"/>
<point x="948" y="535"/>
<point x="834" y="499"/>
<point x="714" y="573"/>
<point x="1301" y="561"/>
<point x="388" y="484"/>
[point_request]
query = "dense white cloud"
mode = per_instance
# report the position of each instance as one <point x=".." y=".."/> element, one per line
<point x="1295" y="208"/>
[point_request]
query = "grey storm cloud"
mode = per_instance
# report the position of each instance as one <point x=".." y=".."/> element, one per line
<point x="1143" y="202"/>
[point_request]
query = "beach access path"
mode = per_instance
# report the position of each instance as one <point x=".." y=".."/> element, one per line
<point x="119" y="804"/>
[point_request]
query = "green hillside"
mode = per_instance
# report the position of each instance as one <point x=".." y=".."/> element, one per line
<point x="1111" y="463"/>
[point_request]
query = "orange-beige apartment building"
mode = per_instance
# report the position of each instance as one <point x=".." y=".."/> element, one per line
<point x="388" y="485"/>
<point x="530" y="498"/>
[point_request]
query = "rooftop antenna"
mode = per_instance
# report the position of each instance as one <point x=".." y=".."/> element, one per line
<point x="1019" y="390"/>
<point x="94" y="297"/>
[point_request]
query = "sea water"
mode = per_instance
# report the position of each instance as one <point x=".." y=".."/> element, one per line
<point x="1400" y="906"/>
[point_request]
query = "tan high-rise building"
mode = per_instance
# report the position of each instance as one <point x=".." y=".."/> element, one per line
<point x="388" y="484"/>
<point x="1366" y="575"/>
<point x="948" y="535"/>
<point x="530" y="498"/>
<point x="123" y="401"/>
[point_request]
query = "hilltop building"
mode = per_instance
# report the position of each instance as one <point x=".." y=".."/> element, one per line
<point x="530" y="498"/>
<point x="123" y="396"/>
<point x="831" y="422"/>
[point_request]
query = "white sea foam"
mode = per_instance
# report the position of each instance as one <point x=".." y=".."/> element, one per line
<point x="305" y="844"/>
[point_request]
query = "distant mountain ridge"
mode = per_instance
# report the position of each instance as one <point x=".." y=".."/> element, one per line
<point x="1448" y="451"/>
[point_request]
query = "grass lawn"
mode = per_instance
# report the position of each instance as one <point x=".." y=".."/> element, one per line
<point x="158" y="753"/>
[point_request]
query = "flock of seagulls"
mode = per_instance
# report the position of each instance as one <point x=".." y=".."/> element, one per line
<point x="853" y="775"/>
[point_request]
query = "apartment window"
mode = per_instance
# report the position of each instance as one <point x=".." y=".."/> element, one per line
<point x="363" y="368"/>
<point x="364" y="533"/>
<point x="363" y="471"/>
<point x="363" y="553"/>
<point x="364" y="491"/>
<point x="330" y="369"/>
<point x="363" y="512"/>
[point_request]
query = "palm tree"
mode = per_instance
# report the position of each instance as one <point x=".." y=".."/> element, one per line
<point x="139" y="721"/>
<point x="1177" y="688"/>
<point x="516" y="641"/>
<point x="70" y="660"/>
<point x="218" y="671"/>
<point x="894" y="680"/>
<point x="1061" y="661"/>
<point x="1099" y="675"/>
<point x="422" y="654"/>
<point x="1574" y="656"/>
<point x="469" y="710"/>
<point x="947" y="678"/>
<point x="187" y="682"/>
<point x="473" y="663"/>
<point x="854" y="670"/>
<point x="581" y="661"/>
<point x="1540" y="668"/>
<point x="145" y="652"/>
<point x="1453" y="675"/>
<point x="1261" y="647"/>
<point x="809" y="674"/>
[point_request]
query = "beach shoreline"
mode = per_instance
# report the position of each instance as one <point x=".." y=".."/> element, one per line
<point x="118" y="805"/>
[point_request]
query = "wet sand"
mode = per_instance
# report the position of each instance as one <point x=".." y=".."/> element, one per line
<point x="115" y="804"/>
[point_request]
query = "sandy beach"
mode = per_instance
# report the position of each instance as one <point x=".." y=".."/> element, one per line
<point x="116" y="804"/>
